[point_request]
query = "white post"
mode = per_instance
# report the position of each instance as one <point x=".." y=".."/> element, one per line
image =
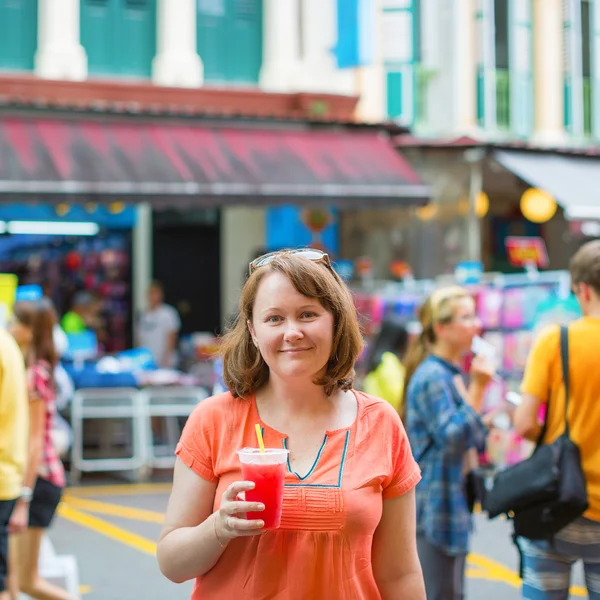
<point x="281" y="44"/>
<point x="465" y="65"/>
<point x="548" y="85"/>
<point x="60" y="54"/>
<point x="142" y="261"/>
<point x="177" y="63"/>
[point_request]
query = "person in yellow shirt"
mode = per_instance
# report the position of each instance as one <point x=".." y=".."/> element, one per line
<point x="385" y="372"/>
<point x="14" y="432"/>
<point x="547" y="565"/>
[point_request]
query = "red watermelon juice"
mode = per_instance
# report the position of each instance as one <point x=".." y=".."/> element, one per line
<point x="267" y="470"/>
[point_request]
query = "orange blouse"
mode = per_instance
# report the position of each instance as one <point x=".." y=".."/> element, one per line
<point x="323" y="547"/>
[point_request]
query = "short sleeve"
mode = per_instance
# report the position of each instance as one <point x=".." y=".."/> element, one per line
<point x="536" y="379"/>
<point x="38" y="383"/>
<point x="197" y="443"/>
<point x="405" y="472"/>
<point x="173" y="320"/>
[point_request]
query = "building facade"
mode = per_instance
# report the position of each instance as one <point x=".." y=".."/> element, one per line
<point x="472" y="78"/>
<point x="255" y="63"/>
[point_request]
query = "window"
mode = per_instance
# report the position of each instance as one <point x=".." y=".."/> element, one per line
<point x="18" y="34"/>
<point x="119" y="36"/>
<point x="504" y="73"/>
<point x="230" y="40"/>
<point x="502" y="63"/>
<point x="586" y="65"/>
<point x="400" y="56"/>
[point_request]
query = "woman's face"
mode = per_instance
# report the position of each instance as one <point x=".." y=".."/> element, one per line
<point x="294" y="333"/>
<point x="464" y="326"/>
<point x="23" y="335"/>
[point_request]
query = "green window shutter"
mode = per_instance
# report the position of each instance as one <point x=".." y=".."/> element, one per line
<point x="18" y="34"/>
<point x="486" y="65"/>
<point x="573" y="76"/>
<point x="394" y="94"/>
<point x="595" y="67"/>
<point x="521" y="67"/>
<point x="136" y="26"/>
<point x="399" y="56"/>
<point x="230" y="40"/>
<point x="96" y="35"/>
<point x="119" y="36"/>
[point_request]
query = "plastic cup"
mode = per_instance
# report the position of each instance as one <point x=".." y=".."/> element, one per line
<point x="267" y="470"/>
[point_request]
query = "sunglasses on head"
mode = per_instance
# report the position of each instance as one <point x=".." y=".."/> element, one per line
<point x="307" y="253"/>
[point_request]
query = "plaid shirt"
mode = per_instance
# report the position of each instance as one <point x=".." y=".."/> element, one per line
<point x="41" y="387"/>
<point x="441" y="428"/>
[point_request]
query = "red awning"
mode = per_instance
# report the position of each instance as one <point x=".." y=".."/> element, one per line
<point x="181" y="163"/>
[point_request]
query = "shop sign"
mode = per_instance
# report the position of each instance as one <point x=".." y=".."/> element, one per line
<point x="526" y="251"/>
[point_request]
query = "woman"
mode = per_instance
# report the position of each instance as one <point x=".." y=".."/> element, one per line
<point x="348" y="523"/>
<point x="44" y="479"/>
<point x="385" y="372"/>
<point x="444" y="426"/>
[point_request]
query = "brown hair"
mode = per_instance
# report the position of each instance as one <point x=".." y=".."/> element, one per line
<point x="40" y="317"/>
<point x="437" y="308"/>
<point x="585" y="266"/>
<point x="244" y="369"/>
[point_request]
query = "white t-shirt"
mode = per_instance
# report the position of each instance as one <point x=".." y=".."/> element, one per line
<point x="155" y="327"/>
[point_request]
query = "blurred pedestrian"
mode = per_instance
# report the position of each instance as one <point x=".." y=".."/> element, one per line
<point x="547" y="564"/>
<point x="443" y="422"/>
<point x="14" y="433"/>
<point x="159" y="328"/>
<point x="348" y="521"/>
<point x="385" y="371"/>
<point x="44" y="477"/>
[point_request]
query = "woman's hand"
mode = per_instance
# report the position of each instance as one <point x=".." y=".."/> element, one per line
<point x="19" y="520"/>
<point x="230" y="518"/>
<point x="482" y="371"/>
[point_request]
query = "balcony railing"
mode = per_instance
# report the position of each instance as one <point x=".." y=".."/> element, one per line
<point x="587" y="106"/>
<point x="423" y="77"/>
<point x="503" y="99"/>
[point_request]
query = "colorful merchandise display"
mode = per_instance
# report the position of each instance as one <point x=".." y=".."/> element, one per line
<point x="512" y="309"/>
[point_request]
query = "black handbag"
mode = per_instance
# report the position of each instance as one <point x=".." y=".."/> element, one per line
<point x="547" y="491"/>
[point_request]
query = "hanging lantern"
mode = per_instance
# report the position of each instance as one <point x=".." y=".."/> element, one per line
<point x="62" y="209"/>
<point x="116" y="208"/>
<point x="482" y="204"/>
<point x="427" y="212"/>
<point x="537" y="205"/>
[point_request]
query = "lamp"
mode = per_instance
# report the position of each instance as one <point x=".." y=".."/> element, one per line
<point x="537" y="205"/>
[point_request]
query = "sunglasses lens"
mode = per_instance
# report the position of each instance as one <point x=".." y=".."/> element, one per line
<point x="310" y="254"/>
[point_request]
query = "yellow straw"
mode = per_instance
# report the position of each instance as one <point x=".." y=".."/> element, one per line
<point x="259" y="436"/>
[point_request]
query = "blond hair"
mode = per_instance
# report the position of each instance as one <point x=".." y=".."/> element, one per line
<point x="437" y="308"/>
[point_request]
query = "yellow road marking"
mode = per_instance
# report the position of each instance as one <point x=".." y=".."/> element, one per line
<point x="107" y="529"/>
<point x="489" y="569"/>
<point x="479" y="566"/>
<point x="133" y="489"/>
<point x="114" y="510"/>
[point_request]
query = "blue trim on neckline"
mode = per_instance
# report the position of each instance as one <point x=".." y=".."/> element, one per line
<point x="320" y="485"/>
<point x="314" y="466"/>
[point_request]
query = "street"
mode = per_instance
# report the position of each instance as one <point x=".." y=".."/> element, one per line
<point x="112" y="529"/>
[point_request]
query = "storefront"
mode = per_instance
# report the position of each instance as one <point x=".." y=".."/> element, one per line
<point x="218" y="162"/>
<point x="481" y="194"/>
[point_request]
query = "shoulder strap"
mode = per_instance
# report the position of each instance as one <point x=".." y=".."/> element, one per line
<point x="564" y="359"/>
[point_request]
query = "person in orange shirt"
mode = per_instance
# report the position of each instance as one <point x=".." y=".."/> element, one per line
<point x="348" y="521"/>
<point x="547" y="564"/>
